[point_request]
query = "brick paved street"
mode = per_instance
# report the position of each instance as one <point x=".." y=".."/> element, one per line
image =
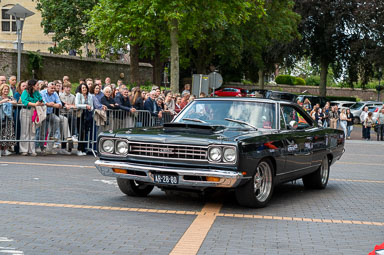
<point x="62" y="205"/>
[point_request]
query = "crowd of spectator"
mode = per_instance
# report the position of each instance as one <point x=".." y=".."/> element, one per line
<point x="333" y="117"/>
<point x="35" y="112"/>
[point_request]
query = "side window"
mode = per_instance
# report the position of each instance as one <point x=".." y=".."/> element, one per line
<point x="290" y="113"/>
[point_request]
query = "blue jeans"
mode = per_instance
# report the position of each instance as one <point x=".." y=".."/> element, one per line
<point x="343" y="124"/>
<point x="349" y="130"/>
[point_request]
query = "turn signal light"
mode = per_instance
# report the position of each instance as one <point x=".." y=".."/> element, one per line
<point x="212" y="179"/>
<point x="120" y="171"/>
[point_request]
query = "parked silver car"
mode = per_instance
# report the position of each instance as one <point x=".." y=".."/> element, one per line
<point x="342" y="104"/>
<point x="358" y="107"/>
<point x="375" y="110"/>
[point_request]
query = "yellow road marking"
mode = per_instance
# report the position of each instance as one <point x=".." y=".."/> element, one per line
<point x="208" y="210"/>
<point x="193" y="238"/>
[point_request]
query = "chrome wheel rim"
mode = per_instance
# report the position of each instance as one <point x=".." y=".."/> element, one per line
<point x="324" y="171"/>
<point x="263" y="181"/>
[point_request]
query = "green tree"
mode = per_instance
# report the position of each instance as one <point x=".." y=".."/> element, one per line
<point x="118" y="23"/>
<point x="183" y="20"/>
<point x="67" y="20"/>
<point x="366" y="54"/>
<point x="329" y="29"/>
<point x="266" y="39"/>
<point x="243" y="48"/>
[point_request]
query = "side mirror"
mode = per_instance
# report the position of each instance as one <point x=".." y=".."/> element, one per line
<point x="293" y="124"/>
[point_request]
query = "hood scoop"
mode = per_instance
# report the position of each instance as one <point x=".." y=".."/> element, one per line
<point x="193" y="128"/>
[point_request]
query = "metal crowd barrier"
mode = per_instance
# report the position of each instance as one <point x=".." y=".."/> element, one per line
<point x="63" y="128"/>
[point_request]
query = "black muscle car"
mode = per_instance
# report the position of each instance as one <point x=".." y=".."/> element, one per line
<point x="246" y="144"/>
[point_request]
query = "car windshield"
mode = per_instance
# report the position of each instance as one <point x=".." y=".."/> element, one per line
<point x="230" y="114"/>
<point x="357" y="106"/>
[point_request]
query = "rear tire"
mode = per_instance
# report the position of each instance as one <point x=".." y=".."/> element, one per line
<point x="134" y="188"/>
<point x="257" y="192"/>
<point x="319" y="178"/>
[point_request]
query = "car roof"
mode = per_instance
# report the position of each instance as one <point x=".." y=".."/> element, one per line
<point x="245" y="99"/>
<point x="371" y="102"/>
<point x="232" y="88"/>
<point x="343" y="102"/>
<point x="308" y="96"/>
<point x="280" y="92"/>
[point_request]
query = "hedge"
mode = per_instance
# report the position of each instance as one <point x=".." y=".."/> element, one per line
<point x="341" y="98"/>
<point x="289" y="80"/>
<point x="299" y="81"/>
<point x="285" y="79"/>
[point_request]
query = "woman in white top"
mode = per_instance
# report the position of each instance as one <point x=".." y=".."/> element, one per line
<point x="84" y="102"/>
<point x="343" y="121"/>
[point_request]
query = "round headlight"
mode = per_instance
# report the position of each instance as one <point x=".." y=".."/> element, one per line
<point x="108" y="146"/>
<point x="215" y="154"/>
<point x="122" y="147"/>
<point x="229" y="154"/>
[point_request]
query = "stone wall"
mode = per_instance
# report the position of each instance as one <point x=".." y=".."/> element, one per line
<point x="367" y="94"/>
<point x="56" y="66"/>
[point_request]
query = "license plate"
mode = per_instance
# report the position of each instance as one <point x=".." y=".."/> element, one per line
<point x="166" y="179"/>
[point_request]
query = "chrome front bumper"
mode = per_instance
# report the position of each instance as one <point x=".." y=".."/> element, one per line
<point x="228" y="179"/>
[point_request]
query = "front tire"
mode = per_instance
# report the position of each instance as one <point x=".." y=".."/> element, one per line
<point x="257" y="192"/>
<point x="319" y="178"/>
<point x="134" y="188"/>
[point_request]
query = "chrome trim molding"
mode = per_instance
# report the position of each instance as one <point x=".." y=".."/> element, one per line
<point x="228" y="179"/>
<point x="183" y="150"/>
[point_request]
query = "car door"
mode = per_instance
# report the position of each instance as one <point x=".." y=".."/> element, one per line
<point x="226" y="92"/>
<point x="298" y="141"/>
<point x="234" y="92"/>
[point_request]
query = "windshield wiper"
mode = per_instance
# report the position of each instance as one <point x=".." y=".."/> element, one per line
<point x="241" y="122"/>
<point x="195" y="120"/>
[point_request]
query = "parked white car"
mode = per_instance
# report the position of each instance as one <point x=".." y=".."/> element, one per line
<point x="375" y="110"/>
<point x="358" y="107"/>
<point x="342" y="104"/>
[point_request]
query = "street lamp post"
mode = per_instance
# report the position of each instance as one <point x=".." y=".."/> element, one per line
<point x="379" y="88"/>
<point x="20" y="13"/>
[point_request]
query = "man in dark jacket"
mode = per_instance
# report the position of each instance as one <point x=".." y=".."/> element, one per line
<point x="151" y="105"/>
<point x="125" y="118"/>
<point x="122" y="100"/>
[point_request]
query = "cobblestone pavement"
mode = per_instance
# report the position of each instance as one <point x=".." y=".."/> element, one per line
<point x="62" y="205"/>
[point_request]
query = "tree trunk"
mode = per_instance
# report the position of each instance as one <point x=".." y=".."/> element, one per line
<point x="323" y="77"/>
<point x="157" y="68"/>
<point x="134" y="68"/>
<point x="174" y="56"/>
<point x="261" y="78"/>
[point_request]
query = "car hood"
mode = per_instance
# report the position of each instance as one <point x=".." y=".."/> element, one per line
<point x="194" y="134"/>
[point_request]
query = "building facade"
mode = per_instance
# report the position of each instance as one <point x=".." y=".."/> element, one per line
<point x="33" y="38"/>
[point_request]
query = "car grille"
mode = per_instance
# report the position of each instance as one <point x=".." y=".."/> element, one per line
<point x="168" y="151"/>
